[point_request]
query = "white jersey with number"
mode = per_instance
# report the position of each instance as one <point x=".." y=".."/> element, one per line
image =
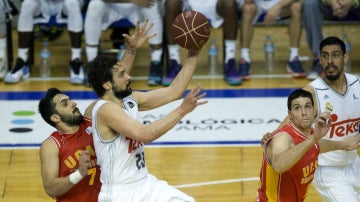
<point x="124" y="175"/>
<point x="345" y="117"/>
<point x="121" y="159"/>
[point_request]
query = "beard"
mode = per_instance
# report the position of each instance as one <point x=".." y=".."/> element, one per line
<point x="122" y="93"/>
<point x="74" y="119"/>
<point x="333" y="77"/>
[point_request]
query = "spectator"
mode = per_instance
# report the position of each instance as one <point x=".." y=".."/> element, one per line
<point x="269" y="12"/>
<point x="314" y="12"/>
<point x="220" y="13"/>
<point x="3" y="59"/>
<point x="102" y="13"/>
<point x="33" y="11"/>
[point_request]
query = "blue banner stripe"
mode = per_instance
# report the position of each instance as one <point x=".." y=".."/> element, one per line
<point x="210" y="93"/>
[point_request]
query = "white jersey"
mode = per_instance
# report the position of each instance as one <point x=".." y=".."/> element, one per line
<point x="345" y="117"/>
<point x="121" y="160"/>
<point x="124" y="175"/>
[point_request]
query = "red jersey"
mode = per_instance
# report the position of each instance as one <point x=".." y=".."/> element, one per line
<point x="292" y="184"/>
<point x="70" y="146"/>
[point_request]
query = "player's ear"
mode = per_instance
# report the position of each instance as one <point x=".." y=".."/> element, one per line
<point x="55" y="118"/>
<point x="107" y="85"/>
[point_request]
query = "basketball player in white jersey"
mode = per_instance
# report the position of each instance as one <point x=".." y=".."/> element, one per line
<point x="337" y="177"/>
<point x="268" y="12"/>
<point x="119" y="137"/>
<point x="102" y="13"/>
<point x="40" y="11"/>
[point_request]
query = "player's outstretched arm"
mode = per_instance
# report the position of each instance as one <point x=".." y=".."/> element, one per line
<point x="114" y="118"/>
<point x="159" y="97"/>
<point x="136" y="41"/>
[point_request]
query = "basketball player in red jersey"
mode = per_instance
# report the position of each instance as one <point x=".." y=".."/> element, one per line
<point x="68" y="162"/>
<point x="290" y="156"/>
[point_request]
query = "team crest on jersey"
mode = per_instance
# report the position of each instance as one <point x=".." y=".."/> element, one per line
<point x="130" y="104"/>
<point x="88" y="130"/>
<point x="355" y="97"/>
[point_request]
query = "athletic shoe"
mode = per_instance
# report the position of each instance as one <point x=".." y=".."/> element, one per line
<point x="173" y="69"/>
<point x="155" y="77"/>
<point x="76" y="72"/>
<point x="244" y="69"/>
<point x="294" y="68"/>
<point x="316" y="70"/>
<point x="20" y="71"/>
<point x="231" y="75"/>
<point x="3" y="68"/>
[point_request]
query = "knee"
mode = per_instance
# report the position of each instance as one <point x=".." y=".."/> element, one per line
<point x="28" y="8"/>
<point x="248" y="9"/>
<point x="95" y="8"/>
<point x="295" y="10"/>
<point x="228" y="3"/>
<point x="310" y="3"/>
<point x="72" y="4"/>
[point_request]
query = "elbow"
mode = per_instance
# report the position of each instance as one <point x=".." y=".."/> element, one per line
<point x="278" y="167"/>
<point x="146" y="138"/>
<point x="50" y="192"/>
<point x="175" y="94"/>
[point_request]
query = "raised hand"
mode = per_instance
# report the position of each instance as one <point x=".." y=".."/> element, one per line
<point x="140" y="35"/>
<point x="322" y="125"/>
<point x="191" y="101"/>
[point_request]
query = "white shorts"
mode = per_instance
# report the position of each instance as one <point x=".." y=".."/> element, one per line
<point x="118" y="11"/>
<point x="207" y="8"/>
<point x="263" y="6"/>
<point x="50" y="8"/>
<point x="150" y="190"/>
<point x="338" y="183"/>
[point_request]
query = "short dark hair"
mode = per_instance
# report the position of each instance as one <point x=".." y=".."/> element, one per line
<point x="100" y="72"/>
<point x="47" y="105"/>
<point x="297" y="94"/>
<point x="333" y="40"/>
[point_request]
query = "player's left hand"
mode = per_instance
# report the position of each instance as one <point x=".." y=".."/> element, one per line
<point x="140" y="35"/>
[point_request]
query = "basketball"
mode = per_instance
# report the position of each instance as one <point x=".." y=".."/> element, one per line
<point x="191" y="30"/>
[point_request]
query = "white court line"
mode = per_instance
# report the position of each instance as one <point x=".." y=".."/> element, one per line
<point x="217" y="182"/>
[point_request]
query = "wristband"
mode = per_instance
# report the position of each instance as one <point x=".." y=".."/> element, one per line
<point x="75" y="177"/>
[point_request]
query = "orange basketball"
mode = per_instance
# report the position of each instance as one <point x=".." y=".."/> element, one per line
<point x="191" y="30"/>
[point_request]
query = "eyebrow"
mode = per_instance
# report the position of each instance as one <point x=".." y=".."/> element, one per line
<point x="62" y="101"/>
<point x="336" y="51"/>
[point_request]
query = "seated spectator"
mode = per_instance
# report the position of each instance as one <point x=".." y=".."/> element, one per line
<point x="220" y="13"/>
<point x="102" y="13"/>
<point x="314" y="13"/>
<point x="271" y="11"/>
<point x="3" y="63"/>
<point x="36" y="11"/>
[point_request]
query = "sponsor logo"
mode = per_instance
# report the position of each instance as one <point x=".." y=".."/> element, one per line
<point x="344" y="128"/>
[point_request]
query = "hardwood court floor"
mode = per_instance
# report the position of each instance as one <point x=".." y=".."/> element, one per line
<point x="208" y="173"/>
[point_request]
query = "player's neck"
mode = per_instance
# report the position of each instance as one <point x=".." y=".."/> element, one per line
<point x="338" y="85"/>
